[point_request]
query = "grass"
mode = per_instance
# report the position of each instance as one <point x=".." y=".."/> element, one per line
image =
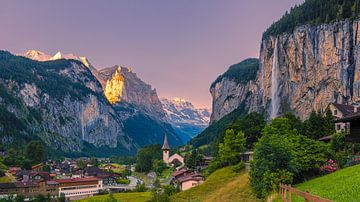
<point x="342" y="185"/>
<point x="121" y="197"/>
<point x="6" y="178"/>
<point x="222" y="185"/>
<point x="167" y="172"/>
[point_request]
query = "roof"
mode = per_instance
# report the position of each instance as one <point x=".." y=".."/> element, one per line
<point x="166" y="144"/>
<point x="195" y="177"/>
<point x="17" y="185"/>
<point x="87" y="179"/>
<point x="179" y="172"/>
<point x="350" y="117"/>
<point x="344" y="109"/>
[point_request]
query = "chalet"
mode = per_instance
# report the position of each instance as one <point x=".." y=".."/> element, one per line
<point x="340" y="111"/>
<point x="27" y="175"/>
<point x="186" y="179"/>
<point x="190" y="181"/>
<point x="92" y="171"/>
<point x="79" y="188"/>
<point x="353" y="120"/>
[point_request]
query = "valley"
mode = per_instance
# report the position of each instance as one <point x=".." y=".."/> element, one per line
<point x="76" y="128"/>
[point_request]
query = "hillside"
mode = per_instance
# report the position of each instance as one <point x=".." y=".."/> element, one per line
<point x="222" y="185"/>
<point x="347" y="185"/>
<point x="216" y="129"/>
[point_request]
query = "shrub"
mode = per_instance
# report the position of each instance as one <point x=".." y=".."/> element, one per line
<point x="329" y="167"/>
<point x="238" y="167"/>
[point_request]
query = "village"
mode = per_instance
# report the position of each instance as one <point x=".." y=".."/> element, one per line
<point x="78" y="178"/>
<point x="74" y="179"/>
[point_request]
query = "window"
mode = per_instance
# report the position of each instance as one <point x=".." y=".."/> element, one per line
<point x="337" y="127"/>
<point x="335" y="112"/>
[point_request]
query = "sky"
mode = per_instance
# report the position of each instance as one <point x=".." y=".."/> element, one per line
<point x="178" y="46"/>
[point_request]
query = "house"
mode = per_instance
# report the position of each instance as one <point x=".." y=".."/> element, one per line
<point x="29" y="189"/>
<point x="339" y="111"/>
<point x="190" y="181"/>
<point x="30" y="176"/>
<point x="78" y="188"/>
<point x="92" y="171"/>
<point x="174" y="160"/>
<point x="108" y="179"/>
<point x="186" y="179"/>
<point x="353" y="120"/>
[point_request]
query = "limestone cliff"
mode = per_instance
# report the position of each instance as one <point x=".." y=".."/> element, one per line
<point x="299" y="71"/>
<point x="58" y="102"/>
<point x="122" y="84"/>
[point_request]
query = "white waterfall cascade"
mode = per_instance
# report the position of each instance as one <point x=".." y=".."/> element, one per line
<point x="275" y="96"/>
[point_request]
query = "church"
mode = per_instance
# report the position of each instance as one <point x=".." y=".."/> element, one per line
<point x="174" y="160"/>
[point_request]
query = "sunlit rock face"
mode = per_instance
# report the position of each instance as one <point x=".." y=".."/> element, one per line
<point x="114" y="87"/>
<point x="315" y="65"/>
<point x="122" y="84"/>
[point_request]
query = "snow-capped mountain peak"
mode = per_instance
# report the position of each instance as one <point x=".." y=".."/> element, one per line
<point x="41" y="56"/>
<point x="185" y="117"/>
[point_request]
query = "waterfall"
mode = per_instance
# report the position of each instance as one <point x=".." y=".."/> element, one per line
<point x="275" y="97"/>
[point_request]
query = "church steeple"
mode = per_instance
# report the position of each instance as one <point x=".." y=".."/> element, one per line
<point x="166" y="144"/>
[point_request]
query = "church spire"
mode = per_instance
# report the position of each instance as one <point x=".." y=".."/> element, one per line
<point x="166" y="144"/>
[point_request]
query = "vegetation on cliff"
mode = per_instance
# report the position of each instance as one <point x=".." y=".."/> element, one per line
<point x="314" y="12"/>
<point x="242" y="72"/>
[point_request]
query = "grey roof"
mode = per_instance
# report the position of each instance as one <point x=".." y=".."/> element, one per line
<point x="345" y="109"/>
<point x="166" y="144"/>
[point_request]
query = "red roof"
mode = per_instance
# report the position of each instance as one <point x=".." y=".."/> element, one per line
<point x="87" y="179"/>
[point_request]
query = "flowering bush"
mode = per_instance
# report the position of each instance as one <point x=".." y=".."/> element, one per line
<point x="329" y="167"/>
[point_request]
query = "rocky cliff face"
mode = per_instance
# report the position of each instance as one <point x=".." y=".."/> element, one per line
<point x="132" y="103"/>
<point x="59" y="102"/>
<point x="299" y="71"/>
<point x="122" y="84"/>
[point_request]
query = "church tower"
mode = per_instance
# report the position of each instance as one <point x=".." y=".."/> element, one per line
<point x="166" y="150"/>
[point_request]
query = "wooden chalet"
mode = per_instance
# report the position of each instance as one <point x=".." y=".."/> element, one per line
<point x="354" y="121"/>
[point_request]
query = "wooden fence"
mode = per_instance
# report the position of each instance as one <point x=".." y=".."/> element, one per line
<point x="286" y="192"/>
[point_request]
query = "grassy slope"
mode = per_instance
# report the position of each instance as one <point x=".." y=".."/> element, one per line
<point x="123" y="197"/>
<point x="343" y="185"/>
<point x="223" y="185"/>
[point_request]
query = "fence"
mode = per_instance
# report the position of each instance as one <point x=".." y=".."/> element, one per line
<point x="286" y="192"/>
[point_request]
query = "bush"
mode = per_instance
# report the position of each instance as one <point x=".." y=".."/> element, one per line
<point x="123" y="181"/>
<point x="329" y="167"/>
<point x="238" y="167"/>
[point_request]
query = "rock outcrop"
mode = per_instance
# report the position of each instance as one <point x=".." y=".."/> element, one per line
<point x="59" y="102"/>
<point x="122" y="84"/>
<point x="300" y="71"/>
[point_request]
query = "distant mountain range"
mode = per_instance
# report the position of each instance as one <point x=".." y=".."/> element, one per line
<point x="187" y="120"/>
<point x="76" y="109"/>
